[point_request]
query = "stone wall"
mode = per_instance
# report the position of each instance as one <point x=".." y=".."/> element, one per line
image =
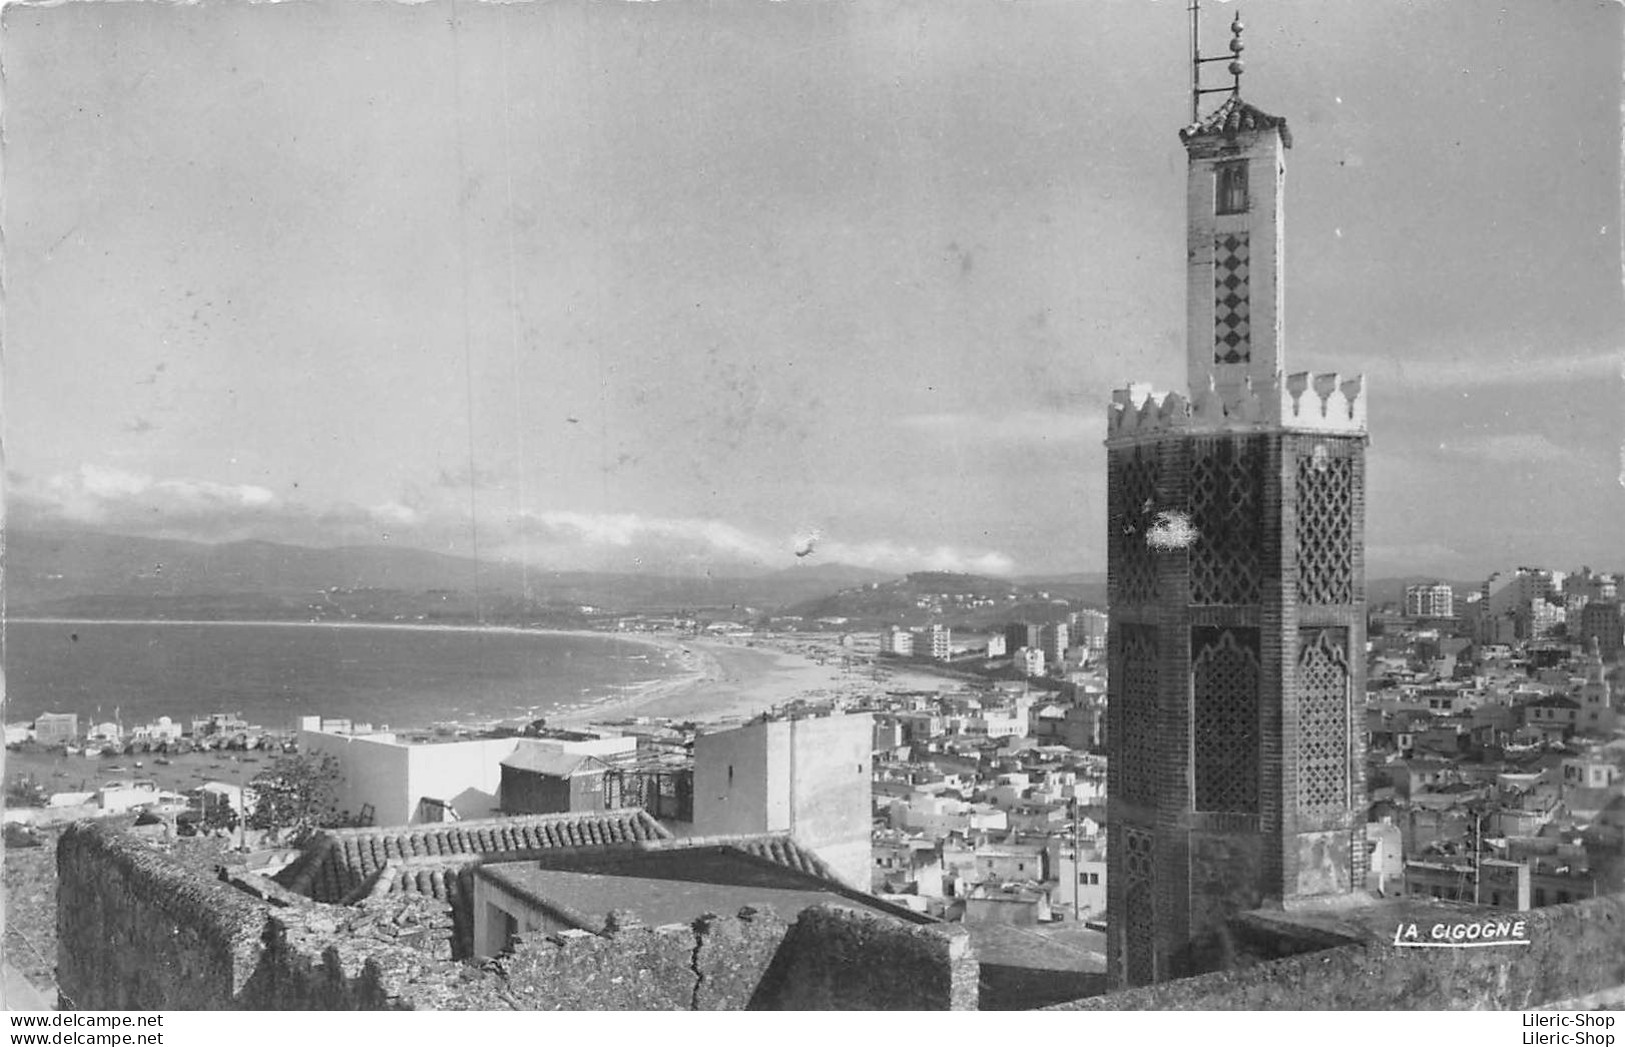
<point x="1575" y="952"/>
<point x="139" y="930"/>
<point x="837" y="959"/>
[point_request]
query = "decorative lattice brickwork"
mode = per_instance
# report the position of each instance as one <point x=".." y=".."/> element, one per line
<point x="1133" y="563"/>
<point x="1323" y="722"/>
<point x="1135" y="670"/>
<point x="1224" y="719"/>
<point x="1225" y="480"/>
<point x="1232" y="326"/>
<point x="1139" y="928"/>
<point x="1325" y="529"/>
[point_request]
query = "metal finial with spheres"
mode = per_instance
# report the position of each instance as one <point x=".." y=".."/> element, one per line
<point x="1235" y="68"/>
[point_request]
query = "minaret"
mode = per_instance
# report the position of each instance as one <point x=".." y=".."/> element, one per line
<point x="1235" y="554"/>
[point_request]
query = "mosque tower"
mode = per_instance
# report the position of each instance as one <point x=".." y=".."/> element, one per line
<point x="1235" y="552"/>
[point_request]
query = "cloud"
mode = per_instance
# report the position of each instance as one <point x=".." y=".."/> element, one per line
<point x="1508" y="448"/>
<point x="884" y="555"/>
<point x="687" y="538"/>
<point x="105" y="496"/>
<point x="1021" y="427"/>
<point x="122" y="502"/>
<point x="1519" y="368"/>
<point x="396" y="513"/>
<point x="643" y="540"/>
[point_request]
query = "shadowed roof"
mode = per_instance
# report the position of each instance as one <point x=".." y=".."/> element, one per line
<point x="551" y="763"/>
<point x="677" y="881"/>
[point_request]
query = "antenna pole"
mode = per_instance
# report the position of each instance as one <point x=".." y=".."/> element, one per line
<point x="1196" y="62"/>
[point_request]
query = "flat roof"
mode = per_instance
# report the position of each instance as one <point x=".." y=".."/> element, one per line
<point x="667" y="886"/>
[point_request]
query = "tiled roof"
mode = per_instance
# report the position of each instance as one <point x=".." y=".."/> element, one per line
<point x="1234" y="117"/>
<point x="340" y="860"/>
<point x="437" y="879"/>
<point x="781" y="850"/>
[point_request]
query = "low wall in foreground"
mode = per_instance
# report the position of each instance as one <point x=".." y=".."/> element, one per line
<point x="1575" y="952"/>
<point x="138" y="930"/>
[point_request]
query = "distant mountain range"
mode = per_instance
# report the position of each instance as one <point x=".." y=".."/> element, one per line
<point x="72" y="572"/>
<point x="76" y="573"/>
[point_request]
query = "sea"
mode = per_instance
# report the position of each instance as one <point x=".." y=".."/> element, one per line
<point x="274" y="673"/>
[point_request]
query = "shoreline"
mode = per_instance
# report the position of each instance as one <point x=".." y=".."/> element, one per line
<point x="710" y="679"/>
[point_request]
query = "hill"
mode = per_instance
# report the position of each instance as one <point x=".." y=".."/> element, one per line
<point x="963" y="601"/>
<point x="88" y="574"/>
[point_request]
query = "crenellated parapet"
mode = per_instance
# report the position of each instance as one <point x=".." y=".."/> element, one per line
<point x="1140" y="411"/>
<point x="1326" y="403"/>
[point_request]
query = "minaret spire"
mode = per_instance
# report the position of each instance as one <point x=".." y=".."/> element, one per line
<point x="1235" y="68"/>
<point x="1236" y="665"/>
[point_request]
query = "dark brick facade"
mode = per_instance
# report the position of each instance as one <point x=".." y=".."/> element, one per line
<point x="1235" y="660"/>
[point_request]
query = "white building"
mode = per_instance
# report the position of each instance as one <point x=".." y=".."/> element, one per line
<point x="1029" y="661"/>
<point x="1430" y="600"/>
<point x="940" y="815"/>
<point x="897" y="641"/>
<point x="1054" y="638"/>
<point x="1089" y="629"/>
<point x="810" y="778"/>
<point x="117" y="797"/>
<point x="403" y="784"/>
<point x="161" y="731"/>
<point x="934" y="642"/>
<point x="1080" y="878"/>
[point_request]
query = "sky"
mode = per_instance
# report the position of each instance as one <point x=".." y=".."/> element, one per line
<point x="689" y="286"/>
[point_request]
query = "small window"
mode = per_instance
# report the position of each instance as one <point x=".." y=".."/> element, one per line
<point x="1230" y="188"/>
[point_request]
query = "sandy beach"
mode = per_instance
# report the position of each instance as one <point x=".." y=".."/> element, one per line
<point x="734" y="679"/>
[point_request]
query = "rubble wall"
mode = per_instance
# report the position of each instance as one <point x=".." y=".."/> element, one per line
<point x="138" y="930"/>
<point x="840" y="959"/>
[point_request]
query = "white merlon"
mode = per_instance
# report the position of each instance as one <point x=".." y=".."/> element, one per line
<point x="1323" y="403"/>
<point x="1138" y="409"/>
